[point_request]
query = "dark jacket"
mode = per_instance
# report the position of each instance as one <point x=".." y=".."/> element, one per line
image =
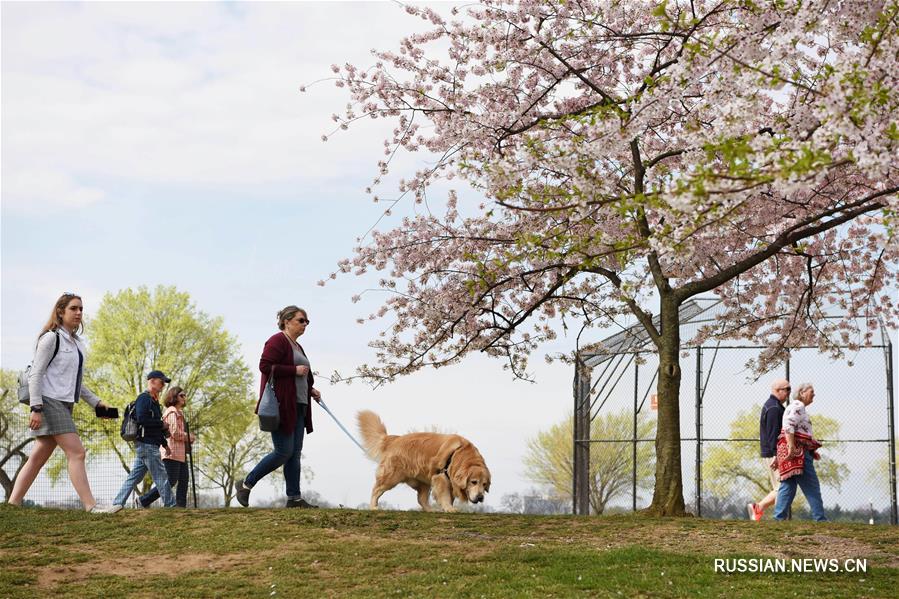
<point x="277" y="361"/>
<point x="149" y="419"/>
<point x="770" y="423"/>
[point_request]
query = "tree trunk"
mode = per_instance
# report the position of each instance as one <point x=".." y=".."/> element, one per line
<point x="229" y="491"/>
<point x="7" y="484"/>
<point x="5" y="480"/>
<point x="668" y="496"/>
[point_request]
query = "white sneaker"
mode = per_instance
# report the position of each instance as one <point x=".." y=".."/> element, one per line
<point x="104" y="509"/>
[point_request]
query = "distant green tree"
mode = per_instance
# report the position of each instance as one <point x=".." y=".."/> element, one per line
<point x="138" y="330"/>
<point x="730" y="466"/>
<point x="14" y="437"/>
<point x="550" y="461"/>
<point x="879" y="472"/>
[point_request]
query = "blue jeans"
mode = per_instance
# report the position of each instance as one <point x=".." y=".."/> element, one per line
<point x="147" y="459"/>
<point x="811" y="488"/>
<point x="178" y="478"/>
<point x="286" y="452"/>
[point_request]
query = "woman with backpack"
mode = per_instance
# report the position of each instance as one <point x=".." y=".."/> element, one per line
<point x="54" y="386"/>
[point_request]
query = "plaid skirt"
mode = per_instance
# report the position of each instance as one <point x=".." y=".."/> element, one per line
<point x="57" y="418"/>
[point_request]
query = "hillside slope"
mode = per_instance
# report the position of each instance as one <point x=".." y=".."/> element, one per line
<point x="344" y="553"/>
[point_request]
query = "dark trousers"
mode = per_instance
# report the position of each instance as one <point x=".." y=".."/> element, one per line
<point x="178" y="477"/>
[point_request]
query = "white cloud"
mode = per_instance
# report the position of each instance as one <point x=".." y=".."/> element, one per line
<point x="188" y="93"/>
<point x="109" y="100"/>
<point x="35" y="190"/>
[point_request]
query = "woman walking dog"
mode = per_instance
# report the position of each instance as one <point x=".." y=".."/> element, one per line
<point x="284" y="360"/>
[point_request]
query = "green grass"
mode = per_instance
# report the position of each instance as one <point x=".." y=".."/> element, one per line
<point x="347" y="553"/>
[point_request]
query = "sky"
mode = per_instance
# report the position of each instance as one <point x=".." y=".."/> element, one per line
<point x="168" y="143"/>
<point x="147" y="144"/>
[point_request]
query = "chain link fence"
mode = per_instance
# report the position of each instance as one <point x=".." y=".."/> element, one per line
<point x="720" y="402"/>
<point x="220" y="457"/>
<point x="109" y="460"/>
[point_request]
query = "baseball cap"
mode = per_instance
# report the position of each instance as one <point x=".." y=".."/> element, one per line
<point x="158" y="374"/>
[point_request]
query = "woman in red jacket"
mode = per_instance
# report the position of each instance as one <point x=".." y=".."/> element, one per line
<point x="284" y="359"/>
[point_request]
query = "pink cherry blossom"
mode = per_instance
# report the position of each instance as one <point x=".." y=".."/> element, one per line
<point x="623" y="153"/>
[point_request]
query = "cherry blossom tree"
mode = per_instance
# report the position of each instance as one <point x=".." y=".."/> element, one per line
<point x="628" y="156"/>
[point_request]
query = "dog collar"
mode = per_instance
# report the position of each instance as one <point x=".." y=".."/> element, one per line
<point x="448" y="462"/>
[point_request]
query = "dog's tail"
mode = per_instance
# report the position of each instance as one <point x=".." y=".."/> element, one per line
<point x="373" y="432"/>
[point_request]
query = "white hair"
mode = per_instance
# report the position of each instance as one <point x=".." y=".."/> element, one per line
<point x="800" y="390"/>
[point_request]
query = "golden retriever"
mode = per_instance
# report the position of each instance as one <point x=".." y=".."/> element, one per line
<point x="447" y="464"/>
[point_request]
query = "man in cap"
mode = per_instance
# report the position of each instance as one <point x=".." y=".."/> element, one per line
<point x="770" y="422"/>
<point x="151" y="435"/>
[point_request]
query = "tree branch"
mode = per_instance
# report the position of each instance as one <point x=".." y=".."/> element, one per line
<point x="788" y="237"/>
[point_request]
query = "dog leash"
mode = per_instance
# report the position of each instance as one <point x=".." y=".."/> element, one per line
<point x="343" y="428"/>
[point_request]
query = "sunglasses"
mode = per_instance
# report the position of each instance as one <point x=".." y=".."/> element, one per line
<point x="302" y="321"/>
<point x="785" y="389"/>
<point x="182" y="395"/>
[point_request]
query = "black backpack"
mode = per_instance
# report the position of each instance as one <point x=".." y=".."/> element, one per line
<point x="130" y="427"/>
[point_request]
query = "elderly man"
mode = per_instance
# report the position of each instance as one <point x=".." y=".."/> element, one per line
<point x="770" y="423"/>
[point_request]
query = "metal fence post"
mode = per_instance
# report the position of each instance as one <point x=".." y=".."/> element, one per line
<point x="699" y="431"/>
<point x="190" y="457"/>
<point x="575" y="429"/>
<point x="634" y="449"/>
<point x="580" y="488"/>
<point x="891" y="446"/>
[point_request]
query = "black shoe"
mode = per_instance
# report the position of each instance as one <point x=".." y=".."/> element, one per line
<point x="243" y="494"/>
<point x="300" y="503"/>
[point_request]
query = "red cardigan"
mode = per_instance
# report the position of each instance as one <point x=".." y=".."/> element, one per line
<point x="277" y="361"/>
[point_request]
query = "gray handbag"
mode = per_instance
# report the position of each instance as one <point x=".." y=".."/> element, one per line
<point x="269" y="414"/>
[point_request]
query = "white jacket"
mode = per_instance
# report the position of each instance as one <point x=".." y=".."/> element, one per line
<point x="58" y="379"/>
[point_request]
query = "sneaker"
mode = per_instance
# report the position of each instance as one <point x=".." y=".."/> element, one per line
<point x="243" y="494"/>
<point x="755" y="512"/>
<point x="302" y="503"/>
<point x="104" y="509"/>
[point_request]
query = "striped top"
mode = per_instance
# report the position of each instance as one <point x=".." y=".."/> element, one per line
<point x="174" y="420"/>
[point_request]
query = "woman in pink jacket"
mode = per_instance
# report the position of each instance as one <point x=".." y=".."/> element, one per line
<point x="175" y="456"/>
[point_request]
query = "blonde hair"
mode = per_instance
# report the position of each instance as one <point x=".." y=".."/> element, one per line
<point x="287" y="313"/>
<point x="55" y="321"/>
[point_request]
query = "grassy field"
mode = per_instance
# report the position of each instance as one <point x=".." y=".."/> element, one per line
<point x="346" y="553"/>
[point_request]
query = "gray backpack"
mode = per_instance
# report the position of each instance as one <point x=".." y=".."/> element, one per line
<point x="130" y="428"/>
<point x="24" y="395"/>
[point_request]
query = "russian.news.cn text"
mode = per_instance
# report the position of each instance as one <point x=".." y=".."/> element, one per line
<point x="790" y="566"/>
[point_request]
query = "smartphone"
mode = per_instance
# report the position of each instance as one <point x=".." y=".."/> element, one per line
<point x="112" y="413"/>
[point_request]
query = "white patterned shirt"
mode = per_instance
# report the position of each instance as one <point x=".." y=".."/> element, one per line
<point x="796" y="419"/>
